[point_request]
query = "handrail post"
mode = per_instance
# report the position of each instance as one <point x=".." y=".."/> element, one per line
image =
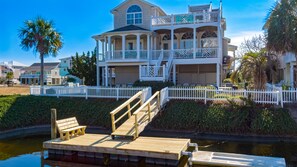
<point x="53" y="123"/>
<point x="136" y="127"/>
<point x="149" y="111"/>
<point x="129" y="109"/>
<point x="158" y="103"/>
<point x="112" y="123"/>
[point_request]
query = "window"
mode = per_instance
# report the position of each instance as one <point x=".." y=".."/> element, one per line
<point x="130" y="46"/>
<point x="134" y="15"/>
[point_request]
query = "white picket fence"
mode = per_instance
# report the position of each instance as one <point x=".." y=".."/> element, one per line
<point x="89" y="92"/>
<point x="204" y="94"/>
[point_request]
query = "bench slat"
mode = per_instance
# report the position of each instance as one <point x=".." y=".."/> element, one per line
<point x="74" y="128"/>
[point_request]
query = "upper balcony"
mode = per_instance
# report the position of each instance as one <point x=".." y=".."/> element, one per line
<point x="155" y="55"/>
<point x="190" y="18"/>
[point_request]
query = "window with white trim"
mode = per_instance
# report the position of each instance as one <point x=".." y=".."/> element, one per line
<point x="134" y="15"/>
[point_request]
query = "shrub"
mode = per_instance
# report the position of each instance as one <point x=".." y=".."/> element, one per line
<point x="156" y="86"/>
<point x="232" y="118"/>
<point x="22" y="111"/>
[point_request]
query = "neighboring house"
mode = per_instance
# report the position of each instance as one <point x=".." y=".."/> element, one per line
<point x="148" y="44"/>
<point x="288" y="69"/>
<point x="31" y="75"/>
<point x="65" y="64"/>
<point x="11" y="66"/>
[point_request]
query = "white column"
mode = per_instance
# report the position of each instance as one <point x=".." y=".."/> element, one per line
<point x="109" y="47"/>
<point x="123" y="46"/>
<point x="172" y="40"/>
<point x="148" y="45"/>
<point x="292" y="74"/>
<point x="174" y="74"/>
<point x="138" y="46"/>
<point x="220" y="43"/>
<point x="106" y="75"/>
<point x="194" y="43"/>
<point x="155" y="43"/>
<point x="103" y="48"/>
<point x="97" y="62"/>
<point x="102" y="76"/>
<point x="218" y="75"/>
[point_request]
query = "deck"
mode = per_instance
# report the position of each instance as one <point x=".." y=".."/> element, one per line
<point x="149" y="147"/>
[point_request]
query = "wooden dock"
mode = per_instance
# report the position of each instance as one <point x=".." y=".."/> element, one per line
<point x="235" y="160"/>
<point x="148" y="147"/>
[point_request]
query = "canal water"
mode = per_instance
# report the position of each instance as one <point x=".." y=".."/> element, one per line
<point x="26" y="151"/>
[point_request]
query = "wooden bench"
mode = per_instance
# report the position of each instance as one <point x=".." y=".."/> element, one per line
<point x="69" y="127"/>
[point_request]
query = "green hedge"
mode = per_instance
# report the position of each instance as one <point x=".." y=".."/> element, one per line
<point x="23" y="111"/>
<point x="189" y="115"/>
<point x="156" y="86"/>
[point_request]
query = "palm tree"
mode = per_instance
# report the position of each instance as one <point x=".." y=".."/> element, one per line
<point x="252" y="69"/>
<point x="280" y="27"/>
<point x="40" y="36"/>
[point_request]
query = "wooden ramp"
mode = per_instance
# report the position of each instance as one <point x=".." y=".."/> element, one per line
<point x="137" y="120"/>
<point x="234" y="160"/>
<point x="148" y="147"/>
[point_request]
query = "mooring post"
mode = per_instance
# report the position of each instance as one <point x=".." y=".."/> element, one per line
<point x="53" y="123"/>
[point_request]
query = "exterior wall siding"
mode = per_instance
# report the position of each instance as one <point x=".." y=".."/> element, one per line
<point x="126" y="75"/>
<point x="120" y="16"/>
<point x="196" y="74"/>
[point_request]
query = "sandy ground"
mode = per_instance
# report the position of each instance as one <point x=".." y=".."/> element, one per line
<point x="23" y="90"/>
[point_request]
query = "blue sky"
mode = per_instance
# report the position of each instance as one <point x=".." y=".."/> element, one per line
<point x="78" y="20"/>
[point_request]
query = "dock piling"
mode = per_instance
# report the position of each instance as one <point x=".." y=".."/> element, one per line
<point x="53" y="123"/>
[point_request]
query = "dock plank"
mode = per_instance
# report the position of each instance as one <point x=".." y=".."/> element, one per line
<point x="164" y="148"/>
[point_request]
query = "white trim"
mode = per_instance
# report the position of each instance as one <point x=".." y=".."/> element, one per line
<point x="134" y="13"/>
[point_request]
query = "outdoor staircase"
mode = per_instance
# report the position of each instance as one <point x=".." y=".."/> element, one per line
<point x="159" y="71"/>
<point x="139" y="116"/>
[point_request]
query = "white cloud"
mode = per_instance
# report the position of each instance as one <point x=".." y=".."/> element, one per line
<point x="238" y="38"/>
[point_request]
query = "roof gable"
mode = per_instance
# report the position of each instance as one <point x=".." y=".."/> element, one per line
<point x="143" y="1"/>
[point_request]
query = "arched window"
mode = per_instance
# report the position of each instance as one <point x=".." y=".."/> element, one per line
<point x="167" y="37"/>
<point x="134" y="15"/>
<point x="209" y="39"/>
<point x="188" y="35"/>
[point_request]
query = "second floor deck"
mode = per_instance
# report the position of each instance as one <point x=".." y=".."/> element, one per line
<point x="151" y="55"/>
<point x="189" y="18"/>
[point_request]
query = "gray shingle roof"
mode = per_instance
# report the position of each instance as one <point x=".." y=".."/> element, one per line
<point x="128" y="28"/>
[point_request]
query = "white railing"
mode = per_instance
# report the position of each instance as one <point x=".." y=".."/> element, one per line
<point x="190" y="18"/>
<point x="155" y="54"/>
<point x="205" y="94"/>
<point x="289" y="96"/>
<point x="206" y="53"/>
<point x="183" y="53"/>
<point x="86" y="92"/>
<point x="129" y="55"/>
<point x="152" y="73"/>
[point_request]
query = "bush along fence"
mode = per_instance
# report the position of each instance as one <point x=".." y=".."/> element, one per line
<point x="90" y="92"/>
<point x="276" y="97"/>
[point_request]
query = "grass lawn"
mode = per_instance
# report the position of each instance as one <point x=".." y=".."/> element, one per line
<point x="22" y="90"/>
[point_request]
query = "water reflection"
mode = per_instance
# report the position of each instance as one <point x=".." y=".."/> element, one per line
<point x="26" y="152"/>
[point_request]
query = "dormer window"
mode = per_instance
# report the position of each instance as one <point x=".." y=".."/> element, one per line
<point x="134" y="15"/>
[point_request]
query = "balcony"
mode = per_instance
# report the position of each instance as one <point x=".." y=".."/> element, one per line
<point x="191" y="18"/>
<point x="37" y="76"/>
<point x="128" y="55"/>
<point x="131" y="56"/>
